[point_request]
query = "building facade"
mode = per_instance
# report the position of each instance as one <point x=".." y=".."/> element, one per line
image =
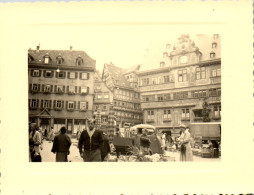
<point x="61" y="88"/>
<point x="103" y="98"/>
<point x="123" y="84"/>
<point x="187" y="78"/>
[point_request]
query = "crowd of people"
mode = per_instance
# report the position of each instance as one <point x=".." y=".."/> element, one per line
<point x="94" y="146"/>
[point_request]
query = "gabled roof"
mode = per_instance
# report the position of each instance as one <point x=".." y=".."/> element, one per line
<point x="132" y="69"/>
<point x="117" y="76"/>
<point x="69" y="57"/>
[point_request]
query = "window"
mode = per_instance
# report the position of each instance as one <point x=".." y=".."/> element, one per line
<point x="84" y="90"/>
<point x="180" y="95"/>
<point x="216" y="73"/>
<point x="59" y="104"/>
<point x="200" y="73"/>
<point x="104" y="107"/>
<point x="150" y="114"/>
<point x="104" y="119"/>
<point x="215" y="36"/>
<point x="72" y="75"/>
<point x="182" y="75"/>
<point x="46" y="104"/>
<point x="59" y="60"/>
<point x="217" y="111"/>
<point x="33" y="103"/>
<point x="79" y="61"/>
<point x="61" y="75"/>
<point x="198" y="94"/>
<point x="167" y="97"/>
<point x="47" y="88"/>
<point x="212" y="55"/>
<point x="159" y="97"/>
<point x="167" y="115"/>
<point x="214" y="45"/>
<point x="145" y="81"/>
<point x="71" y="105"/>
<point x="83" y="105"/>
<point x="35" y="73"/>
<point x="71" y="89"/>
<point x="185" y="113"/>
<point x="166" y="79"/>
<point x="106" y="96"/>
<point x="48" y="73"/>
<point x="60" y="89"/>
<point x="215" y="92"/>
<point x="154" y="81"/>
<point x="35" y="87"/>
<point x="46" y="59"/>
<point x="162" y="64"/>
<point x="84" y="75"/>
<point x="99" y="96"/>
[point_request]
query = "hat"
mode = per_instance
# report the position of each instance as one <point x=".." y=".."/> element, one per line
<point x="182" y="126"/>
<point x="91" y="120"/>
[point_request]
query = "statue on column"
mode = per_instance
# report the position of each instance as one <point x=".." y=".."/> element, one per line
<point x="205" y="112"/>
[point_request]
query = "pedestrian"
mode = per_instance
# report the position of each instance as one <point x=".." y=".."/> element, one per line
<point x="163" y="142"/>
<point x="90" y="143"/>
<point x="51" y="135"/>
<point x="36" y="142"/>
<point x="61" y="146"/>
<point x="185" y="148"/>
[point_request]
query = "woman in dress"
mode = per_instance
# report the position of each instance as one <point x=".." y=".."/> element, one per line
<point x="185" y="155"/>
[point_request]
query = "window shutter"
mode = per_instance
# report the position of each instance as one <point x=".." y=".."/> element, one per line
<point x="87" y="105"/>
<point x="37" y="103"/>
<point x="64" y="74"/>
<point x="50" y="102"/>
<point x="74" y="105"/>
<point x="44" y="73"/>
<point x="52" y="73"/>
<point x="39" y="73"/>
<point x="80" y="75"/>
<point x="54" y="104"/>
<point x="62" y="104"/>
<point x="68" y="75"/>
<point x="76" y="75"/>
<point x="42" y="88"/>
<point x="68" y="89"/>
<point x="87" y="90"/>
<point x="78" y="105"/>
<point x="57" y="73"/>
<point x="31" y="73"/>
<point x="30" y="87"/>
<point x="41" y="103"/>
<point x="39" y="87"/>
<point x="51" y="88"/>
<point x="55" y="88"/>
<point x="79" y="89"/>
<point x="88" y="76"/>
<point x="64" y="89"/>
<point x="76" y="89"/>
<point x="66" y="105"/>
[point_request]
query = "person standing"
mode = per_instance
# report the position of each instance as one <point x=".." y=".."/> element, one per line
<point x="36" y="138"/>
<point x="90" y="143"/>
<point x="61" y="146"/>
<point x="186" y="153"/>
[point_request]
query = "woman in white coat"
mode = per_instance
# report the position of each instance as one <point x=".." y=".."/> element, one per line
<point x="185" y="139"/>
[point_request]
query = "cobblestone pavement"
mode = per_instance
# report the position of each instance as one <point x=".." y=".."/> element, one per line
<point x="48" y="156"/>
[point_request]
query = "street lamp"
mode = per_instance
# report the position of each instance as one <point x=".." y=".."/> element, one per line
<point x="57" y="70"/>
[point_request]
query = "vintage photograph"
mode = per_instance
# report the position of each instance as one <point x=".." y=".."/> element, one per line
<point x="166" y="108"/>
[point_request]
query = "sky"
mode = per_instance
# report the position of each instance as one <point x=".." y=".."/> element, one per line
<point x="123" y="45"/>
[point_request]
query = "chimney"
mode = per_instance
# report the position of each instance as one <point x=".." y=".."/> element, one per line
<point x="38" y="48"/>
<point x="70" y="47"/>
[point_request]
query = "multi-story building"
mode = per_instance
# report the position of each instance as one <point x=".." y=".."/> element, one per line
<point x="126" y="99"/>
<point x="187" y="76"/>
<point x="103" y="98"/>
<point x="60" y="88"/>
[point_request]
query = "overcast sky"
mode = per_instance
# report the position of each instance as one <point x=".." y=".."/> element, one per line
<point x="123" y="45"/>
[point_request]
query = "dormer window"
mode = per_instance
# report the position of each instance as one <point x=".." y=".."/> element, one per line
<point x="30" y="58"/>
<point x="46" y="59"/>
<point x="79" y="61"/>
<point x="214" y="45"/>
<point x="165" y="54"/>
<point x="215" y="36"/>
<point x="212" y="55"/>
<point x="59" y="59"/>
<point x="162" y="64"/>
